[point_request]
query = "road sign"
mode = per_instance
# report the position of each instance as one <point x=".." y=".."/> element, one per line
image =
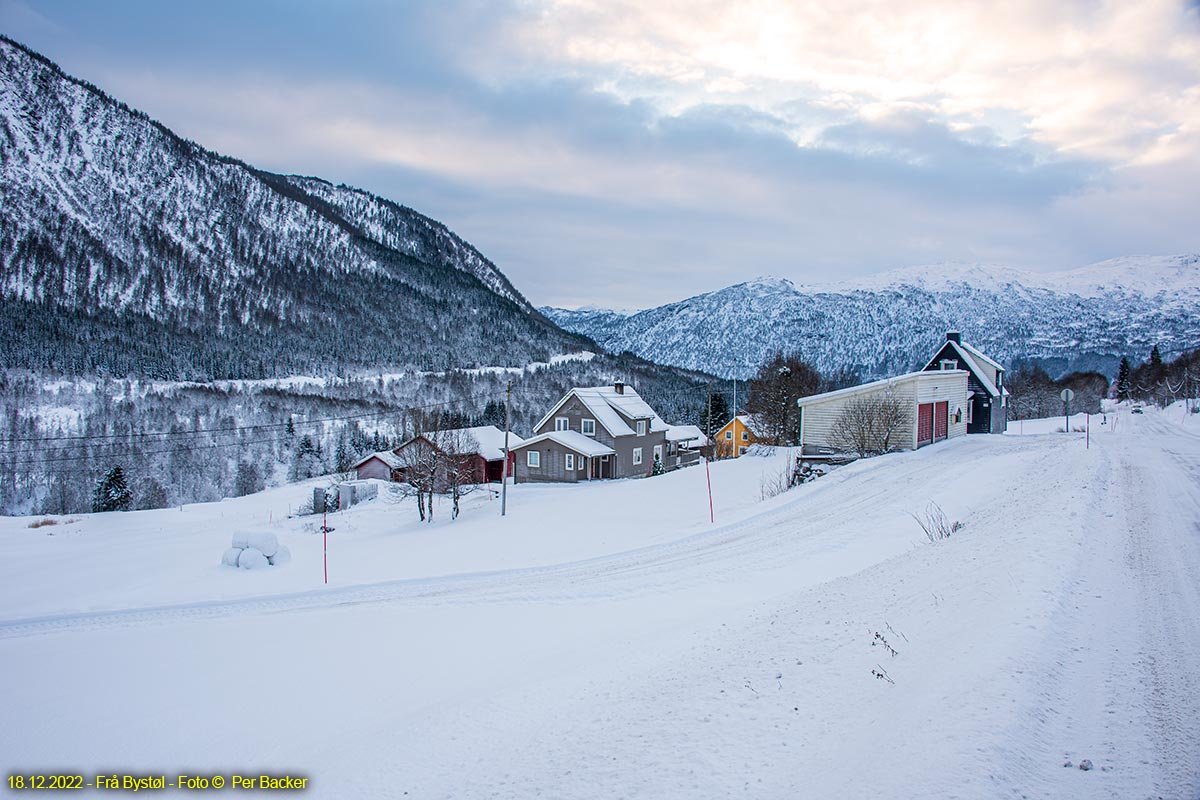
<point x="1067" y="395"/>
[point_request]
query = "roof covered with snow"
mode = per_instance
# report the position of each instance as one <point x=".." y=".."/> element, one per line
<point x="386" y="456"/>
<point x="750" y="423"/>
<point x="691" y="435"/>
<point x="876" y="385"/>
<point x="971" y="357"/>
<point x="491" y="441"/>
<point x="605" y="402"/>
<point x="572" y="440"/>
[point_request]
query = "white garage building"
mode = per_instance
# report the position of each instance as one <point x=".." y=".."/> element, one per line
<point x="934" y="407"/>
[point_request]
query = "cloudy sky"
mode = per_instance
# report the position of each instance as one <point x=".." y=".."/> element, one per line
<point x="633" y="153"/>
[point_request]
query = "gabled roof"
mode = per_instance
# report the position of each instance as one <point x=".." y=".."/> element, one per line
<point x="488" y="438"/>
<point x="687" y="433"/>
<point x="968" y="356"/>
<point x="386" y="456"/>
<point x="872" y="386"/>
<point x="491" y="441"/>
<point x="572" y="440"/>
<point x="748" y="422"/>
<point x="978" y="354"/>
<point x="604" y="402"/>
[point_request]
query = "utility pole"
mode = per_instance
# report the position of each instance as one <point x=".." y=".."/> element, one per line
<point x="504" y="472"/>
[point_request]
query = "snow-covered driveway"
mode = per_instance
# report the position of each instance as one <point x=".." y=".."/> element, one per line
<point x="1060" y="624"/>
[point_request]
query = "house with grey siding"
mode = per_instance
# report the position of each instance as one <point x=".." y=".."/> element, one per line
<point x="592" y="433"/>
<point x="987" y="411"/>
<point x="933" y="405"/>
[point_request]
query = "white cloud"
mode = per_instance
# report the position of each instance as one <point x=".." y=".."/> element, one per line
<point x="1104" y="80"/>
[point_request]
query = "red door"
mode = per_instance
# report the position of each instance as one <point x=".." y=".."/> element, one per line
<point x="941" y="418"/>
<point x="924" y="424"/>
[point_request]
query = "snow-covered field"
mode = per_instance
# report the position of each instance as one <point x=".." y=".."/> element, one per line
<point x="606" y="640"/>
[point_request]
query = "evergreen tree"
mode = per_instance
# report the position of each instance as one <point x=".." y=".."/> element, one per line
<point x="712" y="421"/>
<point x="1156" y="359"/>
<point x="657" y="468"/>
<point x="248" y="481"/>
<point x="153" y="495"/>
<point x="291" y="428"/>
<point x="1123" y="388"/>
<point x="112" y="492"/>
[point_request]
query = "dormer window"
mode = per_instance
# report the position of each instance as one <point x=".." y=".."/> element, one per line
<point x="641" y="427"/>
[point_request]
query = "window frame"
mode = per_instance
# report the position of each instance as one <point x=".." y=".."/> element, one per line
<point x="569" y="462"/>
<point x="637" y="456"/>
<point x="729" y="435"/>
<point x="562" y="424"/>
<point x="641" y="427"/>
<point x="584" y="424"/>
<point x="533" y="459"/>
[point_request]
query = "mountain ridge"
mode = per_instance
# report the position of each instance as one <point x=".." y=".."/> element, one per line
<point x="117" y="225"/>
<point x="1083" y="318"/>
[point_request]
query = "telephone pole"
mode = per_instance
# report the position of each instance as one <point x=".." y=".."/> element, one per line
<point x="504" y="472"/>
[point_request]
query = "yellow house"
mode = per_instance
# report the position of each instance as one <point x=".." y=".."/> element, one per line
<point x="737" y="435"/>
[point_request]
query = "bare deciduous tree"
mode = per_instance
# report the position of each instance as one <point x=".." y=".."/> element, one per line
<point x="439" y="461"/>
<point x="871" y="424"/>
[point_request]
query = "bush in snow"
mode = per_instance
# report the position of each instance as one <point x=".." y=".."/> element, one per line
<point x="255" y="551"/>
<point x="935" y="524"/>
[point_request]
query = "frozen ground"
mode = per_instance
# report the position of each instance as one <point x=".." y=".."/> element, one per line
<point x="606" y="641"/>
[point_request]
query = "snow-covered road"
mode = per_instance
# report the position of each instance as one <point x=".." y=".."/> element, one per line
<point x="1060" y="624"/>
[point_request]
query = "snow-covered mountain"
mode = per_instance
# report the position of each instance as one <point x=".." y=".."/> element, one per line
<point x="157" y="256"/>
<point x="1084" y="318"/>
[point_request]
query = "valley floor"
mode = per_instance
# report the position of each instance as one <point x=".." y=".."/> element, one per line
<point x="607" y="641"/>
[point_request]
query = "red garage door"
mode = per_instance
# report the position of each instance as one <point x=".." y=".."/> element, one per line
<point x="924" y="424"/>
<point x="941" y="417"/>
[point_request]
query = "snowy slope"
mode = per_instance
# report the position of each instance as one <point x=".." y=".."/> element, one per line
<point x="655" y="659"/>
<point x="887" y="324"/>
<point x="129" y="232"/>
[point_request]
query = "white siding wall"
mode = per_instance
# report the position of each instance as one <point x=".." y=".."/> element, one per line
<point x="948" y="386"/>
<point x="818" y="418"/>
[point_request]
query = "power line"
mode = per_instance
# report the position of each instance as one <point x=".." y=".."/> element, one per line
<point x="232" y="429"/>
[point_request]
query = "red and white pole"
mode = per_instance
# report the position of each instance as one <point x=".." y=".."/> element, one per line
<point x="325" y="543"/>
<point x="708" y="477"/>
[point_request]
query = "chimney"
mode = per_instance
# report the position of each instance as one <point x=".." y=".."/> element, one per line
<point x="954" y="336"/>
<point x="619" y="387"/>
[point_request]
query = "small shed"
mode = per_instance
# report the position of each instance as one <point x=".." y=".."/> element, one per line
<point x="381" y="465"/>
<point x="931" y="408"/>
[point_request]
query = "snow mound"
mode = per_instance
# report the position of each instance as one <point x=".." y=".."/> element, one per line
<point x="252" y="559"/>
<point x="256" y="550"/>
<point x="265" y="542"/>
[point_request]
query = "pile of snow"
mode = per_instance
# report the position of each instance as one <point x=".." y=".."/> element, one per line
<point x="256" y="551"/>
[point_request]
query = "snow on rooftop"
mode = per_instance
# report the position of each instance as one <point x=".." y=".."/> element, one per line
<point x="573" y="440"/>
<point x="491" y="441"/>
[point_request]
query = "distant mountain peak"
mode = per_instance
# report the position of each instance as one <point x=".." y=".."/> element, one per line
<point x="886" y="324"/>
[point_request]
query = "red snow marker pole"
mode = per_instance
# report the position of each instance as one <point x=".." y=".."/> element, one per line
<point x="708" y="477"/>
<point x="325" y="543"/>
